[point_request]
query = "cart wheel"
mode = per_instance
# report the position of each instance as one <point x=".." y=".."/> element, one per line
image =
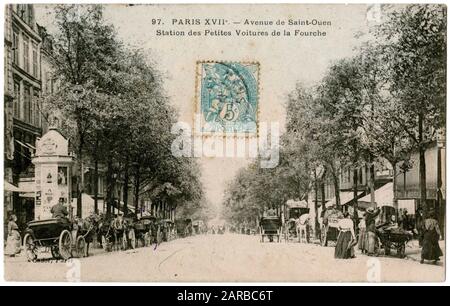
<point x="80" y="246"/>
<point x="30" y="247"/>
<point x="323" y="236"/>
<point x="132" y="237"/>
<point x="55" y="252"/>
<point x="65" y="244"/>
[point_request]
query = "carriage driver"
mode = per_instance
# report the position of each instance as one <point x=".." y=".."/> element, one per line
<point x="59" y="210"/>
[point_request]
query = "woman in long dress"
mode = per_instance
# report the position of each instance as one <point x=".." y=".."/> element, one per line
<point x="430" y="242"/>
<point x="362" y="235"/>
<point x="346" y="238"/>
<point x="13" y="242"/>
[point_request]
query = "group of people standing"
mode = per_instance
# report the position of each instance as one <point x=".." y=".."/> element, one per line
<point x="368" y="242"/>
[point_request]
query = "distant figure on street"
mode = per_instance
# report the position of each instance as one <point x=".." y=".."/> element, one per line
<point x="430" y="243"/>
<point x="346" y="238"/>
<point x="59" y="210"/>
<point x="13" y="241"/>
<point x="403" y="220"/>
<point x="362" y="234"/>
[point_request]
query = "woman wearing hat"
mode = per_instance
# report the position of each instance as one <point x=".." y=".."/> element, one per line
<point x="13" y="242"/>
<point x="430" y="243"/>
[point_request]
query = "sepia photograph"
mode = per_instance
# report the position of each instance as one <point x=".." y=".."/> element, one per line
<point x="223" y="143"/>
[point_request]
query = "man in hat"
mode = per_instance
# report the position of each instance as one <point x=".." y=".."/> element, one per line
<point x="59" y="210"/>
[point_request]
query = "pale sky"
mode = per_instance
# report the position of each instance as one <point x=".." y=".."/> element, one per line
<point x="284" y="61"/>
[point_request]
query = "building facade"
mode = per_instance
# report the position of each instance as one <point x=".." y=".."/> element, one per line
<point x="407" y="190"/>
<point x="23" y="109"/>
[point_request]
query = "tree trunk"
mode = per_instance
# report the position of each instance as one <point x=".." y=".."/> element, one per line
<point x="96" y="183"/>
<point x="316" y="200"/>
<point x="125" y="189"/>
<point x="80" y="182"/>
<point x="109" y="187"/>
<point x="322" y="189"/>
<point x="422" y="168"/>
<point x="372" y="181"/>
<point x="137" y="183"/>
<point x="336" y="184"/>
<point x="440" y="209"/>
<point x="355" y="194"/>
<point x="394" y="186"/>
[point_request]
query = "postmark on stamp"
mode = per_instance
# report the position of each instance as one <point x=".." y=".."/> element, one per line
<point x="228" y="97"/>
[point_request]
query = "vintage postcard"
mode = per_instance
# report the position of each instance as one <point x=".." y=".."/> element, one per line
<point x="224" y="143"/>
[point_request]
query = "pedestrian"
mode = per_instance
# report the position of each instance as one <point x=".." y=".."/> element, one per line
<point x="420" y="225"/>
<point x="371" y="240"/>
<point x="430" y="242"/>
<point x="404" y="222"/>
<point x="346" y="238"/>
<point x="13" y="242"/>
<point x="362" y="234"/>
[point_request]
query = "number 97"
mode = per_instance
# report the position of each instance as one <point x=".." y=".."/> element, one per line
<point x="156" y="21"/>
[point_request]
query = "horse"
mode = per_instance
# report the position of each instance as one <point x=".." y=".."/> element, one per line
<point x="105" y="233"/>
<point x="87" y="228"/>
<point x="302" y="228"/>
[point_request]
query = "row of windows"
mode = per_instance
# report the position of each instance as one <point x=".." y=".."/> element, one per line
<point x="32" y="67"/>
<point x="347" y="175"/>
<point x="25" y="12"/>
<point x="26" y="107"/>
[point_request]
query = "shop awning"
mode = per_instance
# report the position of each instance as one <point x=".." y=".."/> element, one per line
<point x="26" y="145"/>
<point x="26" y="189"/>
<point x="10" y="187"/>
<point x="383" y="197"/>
<point x="345" y="197"/>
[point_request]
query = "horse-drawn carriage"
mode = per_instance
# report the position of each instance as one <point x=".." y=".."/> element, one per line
<point x="296" y="215"/>
<point x="63" y="237"/>
<point x="270" y="227"/>
<point x="118" y="234"/>
<point x="183" y="227"/>
<point x="198" y="227"/>
<point x="145" y="230"/>
<point x="166" y="229"/>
